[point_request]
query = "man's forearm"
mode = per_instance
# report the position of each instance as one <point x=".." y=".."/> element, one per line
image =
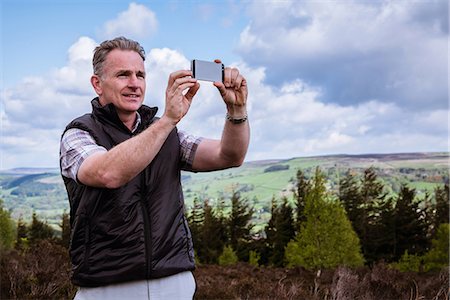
<point x="235" y="139"/>
<point x="122" y="163"/>
<point x="227" y="152"/>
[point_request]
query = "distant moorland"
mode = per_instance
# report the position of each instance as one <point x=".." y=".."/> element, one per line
<point x="28" y="190"/>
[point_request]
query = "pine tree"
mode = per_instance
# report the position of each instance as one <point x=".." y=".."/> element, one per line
<point x="300" y="192"/>
<point x="410" y="225"/>
<point x="65" y="230"/>
<point x="385" y="239"/>
<point x="270" y="233"/>
<point x="39" y="230"/>
<point x="195" y="221"/>
<point x="22" y="234"/>
<point x="213" y="236"/>
<point x="441" y="195"/>
<point x="326" y="238"/>
<point x="371" y="228"/>
<point x="284" y="232"/>
<point x="239" y="226"/>
<point x="350" y="197"/>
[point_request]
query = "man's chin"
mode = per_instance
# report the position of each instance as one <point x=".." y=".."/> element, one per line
<point x="133" y="104"/>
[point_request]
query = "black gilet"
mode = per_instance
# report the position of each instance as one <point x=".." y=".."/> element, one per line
<point x="134" y="232"/>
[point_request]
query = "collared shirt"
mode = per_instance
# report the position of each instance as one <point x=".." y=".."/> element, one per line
<point x="77" y="145"/>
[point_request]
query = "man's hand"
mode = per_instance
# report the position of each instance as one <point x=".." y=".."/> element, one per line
<point x="233" y="90"/>
<point x="177" y="100"/>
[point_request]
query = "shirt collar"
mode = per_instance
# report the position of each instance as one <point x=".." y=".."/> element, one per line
<point x="137" y="122"/>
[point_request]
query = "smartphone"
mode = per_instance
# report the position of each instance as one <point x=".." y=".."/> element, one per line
<point x="207" y="70"/>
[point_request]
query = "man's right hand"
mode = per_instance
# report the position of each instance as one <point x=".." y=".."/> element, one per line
<point x="177" y="100"/>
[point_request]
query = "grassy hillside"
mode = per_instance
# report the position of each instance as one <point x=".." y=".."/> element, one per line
<point x="42" y="190"/>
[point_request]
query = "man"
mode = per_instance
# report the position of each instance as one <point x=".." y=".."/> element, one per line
<point x="121" y="167"/>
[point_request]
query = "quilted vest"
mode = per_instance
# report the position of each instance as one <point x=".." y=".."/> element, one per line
<point x="137" y="231"/>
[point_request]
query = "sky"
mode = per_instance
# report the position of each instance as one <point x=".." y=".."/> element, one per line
<point x="324" y="77"/>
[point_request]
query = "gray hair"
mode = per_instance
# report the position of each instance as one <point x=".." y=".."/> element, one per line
<point x="107" y="46"/>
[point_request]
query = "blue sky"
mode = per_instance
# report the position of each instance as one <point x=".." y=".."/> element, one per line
<point x="325" y="77"/>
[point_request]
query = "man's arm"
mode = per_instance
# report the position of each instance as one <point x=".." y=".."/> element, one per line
<point x="230" y="150"/>
<point x="227" y="152"/>
<point x="122" y="163"/>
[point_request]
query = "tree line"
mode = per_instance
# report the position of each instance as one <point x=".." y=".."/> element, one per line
<point x="360" y="224"/>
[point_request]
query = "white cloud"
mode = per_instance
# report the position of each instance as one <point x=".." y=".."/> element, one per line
<point x="47" y="101"/>
<point x="82" y="50"/>
<point x="75" y="76"/>
<point x="137" y="22"/>
<point x="36" y="110"/>
<point x="355" y="51"/>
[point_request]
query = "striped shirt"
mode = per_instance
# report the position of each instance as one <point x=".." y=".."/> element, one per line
<point x="77" y="145"/>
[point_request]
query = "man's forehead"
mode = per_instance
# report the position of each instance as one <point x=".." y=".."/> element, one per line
<point x="124" y="59"/>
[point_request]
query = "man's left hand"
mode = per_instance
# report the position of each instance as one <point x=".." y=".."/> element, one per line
<point x="233" y="89"/>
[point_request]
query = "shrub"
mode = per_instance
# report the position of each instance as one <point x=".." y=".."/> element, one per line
<point x="438" y="256"/>
<point x="228" y="257"/>
<point x="254" y="258"/>
<point x="408" y="263"/>
<point x="7" y="229"/>
<point x="40" y="272"/>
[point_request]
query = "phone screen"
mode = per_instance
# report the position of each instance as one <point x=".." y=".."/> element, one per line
<point x="206" y="70"/>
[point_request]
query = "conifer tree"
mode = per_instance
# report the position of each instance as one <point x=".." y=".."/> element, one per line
<point x="410" y="225"/>
<point x="370" y="230"/>
<point x="195" y="220"/>
<point x="39" y="230"/>
<point x="22" y="234"/>
<point x="441" y="195"/>
<point x="284" y="232"/>
<point x="326" y="238"/>
<point x="213" y="236"/>
<point x="270" y="233"/>
<point x="300" y="191"/>
<point x="239" y="226"/>
<point x="385" y="238"/>
<point x="65" y="230"/>
<point x="350" y="197"/>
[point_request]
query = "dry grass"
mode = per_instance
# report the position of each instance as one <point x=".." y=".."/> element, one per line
<point x="243" y="281"/>
<point x="43" y="272"/>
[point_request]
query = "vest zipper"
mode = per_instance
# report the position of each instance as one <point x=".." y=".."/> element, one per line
<point x="147" y="229"/>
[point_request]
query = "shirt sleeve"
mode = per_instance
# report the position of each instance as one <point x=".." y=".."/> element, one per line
<point x="188" y="145"/>
<point x="76" y="146"/>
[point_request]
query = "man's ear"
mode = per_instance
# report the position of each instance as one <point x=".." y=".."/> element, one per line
<point x="96" y="84"/>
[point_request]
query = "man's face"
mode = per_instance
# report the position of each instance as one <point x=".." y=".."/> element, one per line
<point x="123" y="81"/>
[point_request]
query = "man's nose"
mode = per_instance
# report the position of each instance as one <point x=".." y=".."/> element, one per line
<point x="133" y="81"/>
